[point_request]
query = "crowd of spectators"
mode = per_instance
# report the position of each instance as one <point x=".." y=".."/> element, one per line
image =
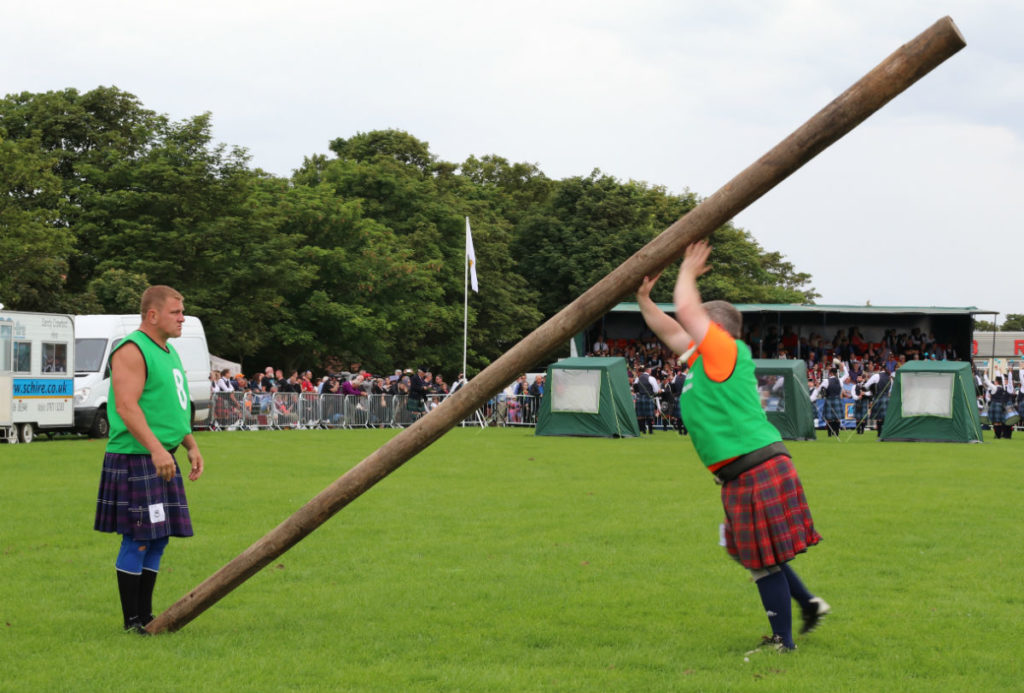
<point x="856" y="357"/>
<point x="353" y="382"/>
<point x="852" y="355"/>
<point x="847" y="346"/>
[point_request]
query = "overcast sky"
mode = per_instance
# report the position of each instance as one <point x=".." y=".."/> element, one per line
<point x="920" y="205"/>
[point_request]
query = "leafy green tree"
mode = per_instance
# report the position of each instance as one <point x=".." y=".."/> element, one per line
<point x="34" y="246"/>
<point x="152" y="201"/>
<point x="743" y="272"/>
<point x="418" y="205"/>
<point x="357" y="271"/>
<point x="588" y="226"/>
<point x="114" y="291"/>
<point x="193" y="215"/>
<point x="79" y="134"/>
<point x="511" y="189"/>
<point x="356" y="257"/>
<point x="1014" y="322"/>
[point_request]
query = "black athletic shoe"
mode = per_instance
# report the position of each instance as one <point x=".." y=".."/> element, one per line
<point x="815" y="610"/>
<point x="135" y="625"/>
<point x="774" y="642"/>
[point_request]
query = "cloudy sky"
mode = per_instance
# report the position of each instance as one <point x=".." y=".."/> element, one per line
<point x="920" y="205"/>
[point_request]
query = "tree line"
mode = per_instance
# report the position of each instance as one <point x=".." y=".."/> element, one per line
<point x="1013" y="322"/>
<point x="357" y="256"/>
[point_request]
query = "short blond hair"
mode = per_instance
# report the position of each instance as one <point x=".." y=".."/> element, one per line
<point x="155" y="296"/>
<point x="726" y="315"/>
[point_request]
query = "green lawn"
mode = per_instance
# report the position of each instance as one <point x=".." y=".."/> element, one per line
<point x="497" y="561"/>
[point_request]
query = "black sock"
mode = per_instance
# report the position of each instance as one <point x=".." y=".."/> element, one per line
<point x="128" y="589"/>
<point x="146" y="583"/>
<point x="774" y="590"/>
<point x="797" y="589"/>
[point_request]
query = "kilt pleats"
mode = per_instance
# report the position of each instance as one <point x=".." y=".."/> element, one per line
<point x="129" y="486"/>
<point x="767" y="520"/>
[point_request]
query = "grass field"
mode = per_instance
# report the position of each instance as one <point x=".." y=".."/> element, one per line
<point x="497" y="561"/>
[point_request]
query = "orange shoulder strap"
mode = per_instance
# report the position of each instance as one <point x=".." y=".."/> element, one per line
<point x="719" y="351"/>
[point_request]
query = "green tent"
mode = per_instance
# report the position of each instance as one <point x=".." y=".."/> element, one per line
<point x="933" y="400"/>
<point x="587" y="397"/>
<point x="782" y="385"/>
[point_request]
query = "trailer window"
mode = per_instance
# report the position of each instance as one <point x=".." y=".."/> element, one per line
<point x="22" y="357"/>
<point x="55" y="358"/>
<point x="5" y="347"/>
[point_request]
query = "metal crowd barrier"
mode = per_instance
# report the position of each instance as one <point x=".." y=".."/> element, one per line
<point x="510" y="410"/>
<point x="231" y="411"/>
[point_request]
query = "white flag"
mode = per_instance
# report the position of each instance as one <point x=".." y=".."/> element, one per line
<point x="471" y="258"/>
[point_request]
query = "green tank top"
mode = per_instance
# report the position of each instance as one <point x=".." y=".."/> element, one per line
<point x="725" y="419"/>
<point x="164" y="400"/>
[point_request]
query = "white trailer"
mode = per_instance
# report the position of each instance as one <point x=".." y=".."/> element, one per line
<point x="37" y="366"/>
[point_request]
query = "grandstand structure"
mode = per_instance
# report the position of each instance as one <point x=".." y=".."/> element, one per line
<point x="952" y="326"/>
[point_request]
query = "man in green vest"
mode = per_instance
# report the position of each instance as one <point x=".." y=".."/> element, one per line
<point x="141" y="494"/>
<point x="767" y="522"/>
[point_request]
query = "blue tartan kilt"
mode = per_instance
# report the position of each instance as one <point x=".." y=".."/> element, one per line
<point x="129" y="485"/>
<point x="879" y="407"/>
<point x="644" y="406"/>
<point x="860" y="408"/>
<point x="833" y="408"/>
<point x="996" y="412"/>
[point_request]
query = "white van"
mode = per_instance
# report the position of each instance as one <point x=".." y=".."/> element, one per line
<point x="37" y="358"/>
<point x="97" y="335"/>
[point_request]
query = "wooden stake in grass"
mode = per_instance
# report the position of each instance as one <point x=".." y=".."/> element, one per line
<point x="892" y="76"/>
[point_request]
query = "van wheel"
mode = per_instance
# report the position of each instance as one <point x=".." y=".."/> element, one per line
<point x="100" y="426"/>
<point x="26" y="434"/>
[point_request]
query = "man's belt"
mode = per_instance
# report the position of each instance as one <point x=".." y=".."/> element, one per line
<point x="747" y="462"/>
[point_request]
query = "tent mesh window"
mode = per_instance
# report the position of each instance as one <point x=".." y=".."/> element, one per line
<point x="575" y="390"/>
<point x="927" y="394"/>
<point x="772" y="389"/>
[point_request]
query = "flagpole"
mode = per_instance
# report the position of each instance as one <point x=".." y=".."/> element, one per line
<point x="465" y="304"/>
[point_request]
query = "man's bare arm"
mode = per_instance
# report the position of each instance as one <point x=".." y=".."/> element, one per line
<point x="690" y="311"/>
<point x="668" y="330"/>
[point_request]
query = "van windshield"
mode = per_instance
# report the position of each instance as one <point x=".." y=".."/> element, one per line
<point x="89" y="355"/>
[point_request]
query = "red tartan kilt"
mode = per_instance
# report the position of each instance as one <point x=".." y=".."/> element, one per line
<point x="767" y="521"/>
